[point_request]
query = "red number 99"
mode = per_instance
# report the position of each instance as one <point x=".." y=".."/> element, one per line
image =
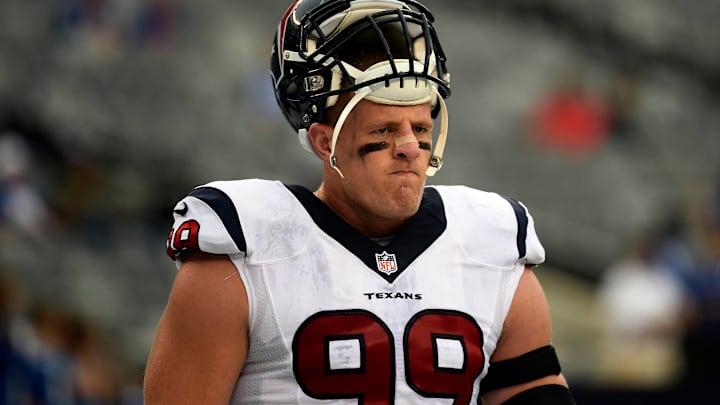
<point x="350" y="354"/>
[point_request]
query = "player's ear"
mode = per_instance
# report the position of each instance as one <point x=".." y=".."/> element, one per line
<point x="320" y="136"/>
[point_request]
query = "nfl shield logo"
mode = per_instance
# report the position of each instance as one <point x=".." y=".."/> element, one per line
<point x="386" y="262"/>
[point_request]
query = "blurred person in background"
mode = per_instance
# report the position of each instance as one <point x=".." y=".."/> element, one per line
<point x="21" y="381"/>
<point x="374" y="287"/>
<point x="96" y="379"/>
<point x="23" y="208"/>
<point x="49" y="356"/>
<point x="644" y="305"/>
<point x="570" y="118"/>
<point x="701" y="343"/>
<point x="623" y="100"/>
<point x="48" y="341"/>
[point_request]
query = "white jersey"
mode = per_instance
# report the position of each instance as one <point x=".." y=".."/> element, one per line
<point x="336" y="318"/>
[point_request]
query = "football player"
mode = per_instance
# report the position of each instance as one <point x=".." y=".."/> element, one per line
<point x="373" y="288"/>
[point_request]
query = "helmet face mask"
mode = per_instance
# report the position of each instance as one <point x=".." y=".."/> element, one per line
<point x="315" y="39"/>
<point x="387" y="49"/>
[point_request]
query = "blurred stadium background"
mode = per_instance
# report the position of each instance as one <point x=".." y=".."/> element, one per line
<point x="600" y="116"/>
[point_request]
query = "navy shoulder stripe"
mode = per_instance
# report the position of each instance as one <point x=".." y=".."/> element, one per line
<point x="225" y="209"/>
<point x="522" y="222"/>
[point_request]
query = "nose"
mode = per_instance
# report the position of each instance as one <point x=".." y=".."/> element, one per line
<point x="407" y="147"/>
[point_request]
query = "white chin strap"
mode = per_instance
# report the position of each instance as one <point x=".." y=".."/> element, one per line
<point x="414" y="91"/>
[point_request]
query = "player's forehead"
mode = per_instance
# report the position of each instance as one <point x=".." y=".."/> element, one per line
<point x="372" y="113"/>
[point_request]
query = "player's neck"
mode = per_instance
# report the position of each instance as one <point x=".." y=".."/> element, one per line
<point x="367" y="223"/>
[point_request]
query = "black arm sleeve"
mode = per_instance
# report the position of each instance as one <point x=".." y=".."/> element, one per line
<point x="530" y="366"/>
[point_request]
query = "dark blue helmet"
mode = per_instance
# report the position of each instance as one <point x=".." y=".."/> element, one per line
<point x="316" y="40"/>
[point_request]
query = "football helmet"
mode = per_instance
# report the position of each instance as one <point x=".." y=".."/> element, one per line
<point x="315" y="59"/>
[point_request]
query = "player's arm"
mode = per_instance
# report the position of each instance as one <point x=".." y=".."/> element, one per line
<point x="201" y="341"/>
<point x="524" y="368"/>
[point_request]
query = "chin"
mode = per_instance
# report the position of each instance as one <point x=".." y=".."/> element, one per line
<point x="407" y="201"/>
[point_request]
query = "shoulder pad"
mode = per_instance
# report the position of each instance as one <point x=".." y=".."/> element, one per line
<point x="258" y="218"/>
<point x="501" y="225"/>
<point x="206" y="220"/>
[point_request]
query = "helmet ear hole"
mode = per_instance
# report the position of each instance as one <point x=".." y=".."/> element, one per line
<point x="291" y="91"/>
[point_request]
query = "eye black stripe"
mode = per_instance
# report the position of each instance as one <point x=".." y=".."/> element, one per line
<point x="372" y="147"/>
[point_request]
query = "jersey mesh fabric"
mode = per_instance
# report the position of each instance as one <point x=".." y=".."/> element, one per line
<point x="270" y="357"/>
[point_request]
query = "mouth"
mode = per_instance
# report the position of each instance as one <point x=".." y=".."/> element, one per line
<point x="404" y="173"/>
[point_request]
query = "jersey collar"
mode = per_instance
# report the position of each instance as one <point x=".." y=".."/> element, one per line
<point x="417" y="235"/>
